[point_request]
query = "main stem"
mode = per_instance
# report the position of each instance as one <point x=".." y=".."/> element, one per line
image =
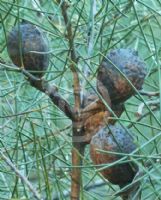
<point x="77" y="155"/>
<point x="78" y="147"/>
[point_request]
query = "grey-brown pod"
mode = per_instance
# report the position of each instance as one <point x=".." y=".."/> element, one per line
<point x="117" y="140"/>
<point x="27" y="46"/>
<point x="114" y="70"/>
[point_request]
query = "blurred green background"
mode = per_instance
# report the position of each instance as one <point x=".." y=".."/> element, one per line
<point x="36" y="136"/>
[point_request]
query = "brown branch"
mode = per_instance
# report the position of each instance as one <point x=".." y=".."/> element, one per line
<point x="52" y="92"/>
<point x="43" y="86"/>
<point x="77" y="153"/>
<point x="78" y="146"/>
<point x="74" y="60"/>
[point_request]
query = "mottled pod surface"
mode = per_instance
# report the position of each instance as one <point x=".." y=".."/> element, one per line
<point x="27" y="46"/>
<point x="114" y="70"/>
<point x="116" y="140"/>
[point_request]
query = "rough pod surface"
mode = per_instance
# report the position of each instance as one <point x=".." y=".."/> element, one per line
<point x="114" y="70"/>
<point x="114" y="139"/>
<point x="27" y="46"/>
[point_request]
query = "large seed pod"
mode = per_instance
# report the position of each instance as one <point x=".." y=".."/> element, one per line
<point x="27" y="46"/>
<point x="116" y="140"/>
<point x="118" y="66"/>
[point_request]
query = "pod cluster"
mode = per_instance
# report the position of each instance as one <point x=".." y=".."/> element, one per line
<point x="120" y="74"/>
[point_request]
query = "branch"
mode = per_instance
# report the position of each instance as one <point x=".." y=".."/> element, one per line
<point x="43" y="86"/>
<point x="150" y="103"/>
<point x="78" y="147"/>
<point x="52" y="92"/>
<point x="149" y="94"/>
<point x="22" y="177"/>
<point x="74" y="60"/>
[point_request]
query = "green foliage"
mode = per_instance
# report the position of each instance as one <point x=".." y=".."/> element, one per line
<point x="36" y="136"/>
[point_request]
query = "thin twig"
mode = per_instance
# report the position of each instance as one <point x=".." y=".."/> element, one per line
<point x="74" y="60"/>
<point x="149" y="103"/>
<point x="149" y="94"/>
<point x="22" y="177"/>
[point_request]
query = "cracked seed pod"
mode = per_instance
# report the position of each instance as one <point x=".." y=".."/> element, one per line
<point x="27" y="46"/>
<point x="114" y="139"/>
<point x="98" y="115"/>
<point x="94" y="123"/>
<point x="116" y="63"/>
